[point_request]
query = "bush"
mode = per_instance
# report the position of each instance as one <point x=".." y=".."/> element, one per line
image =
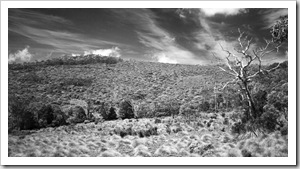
<point x="246" y="153"/>
<point x="103" y="110"/>
<point x="205" y="106"/>
<point x="141" y="133"/>
<point x="268" y="119"/>
<point x="143" y="110"/>
<point x="19" y="115"/>
<point x="112" y="115"/>
<point x="126" y="110"/>
<point x="260" y="100"/>
<point x="167" y="108"/>
<point x="157" y="121"/>
<point x="51" y="116"/>
<point x="238" y="128"/>
<point x="284" y="130"/>
<point x="186" y="110"/>
<point x="106" y="111"/>
<point x="75" y="114"/>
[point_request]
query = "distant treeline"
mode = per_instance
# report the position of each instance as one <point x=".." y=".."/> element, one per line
<point x="67" y="60"/>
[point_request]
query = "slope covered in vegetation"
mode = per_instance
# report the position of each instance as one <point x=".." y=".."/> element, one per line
<point x="86" y="108"/>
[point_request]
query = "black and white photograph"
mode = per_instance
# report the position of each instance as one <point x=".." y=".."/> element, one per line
<point x="149" y="82"/>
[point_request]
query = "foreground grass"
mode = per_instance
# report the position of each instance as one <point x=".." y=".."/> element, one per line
<point x="175" y="137"/>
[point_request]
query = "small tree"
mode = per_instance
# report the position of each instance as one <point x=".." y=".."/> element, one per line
<point x="238" y="66"/>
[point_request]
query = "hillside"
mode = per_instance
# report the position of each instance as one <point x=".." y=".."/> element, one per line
<point x="154" y="90"/>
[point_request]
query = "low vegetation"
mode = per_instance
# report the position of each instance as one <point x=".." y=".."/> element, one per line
<point x="145" y="109"/>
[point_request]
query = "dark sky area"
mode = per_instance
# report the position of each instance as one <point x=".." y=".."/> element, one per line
<point x="186" y="36"/>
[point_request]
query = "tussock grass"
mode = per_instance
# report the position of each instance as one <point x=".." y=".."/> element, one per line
<point x="233" y="153"/>
<point x="140" y="141"/>
<point x="110" y="153"/>
<point x="86" y="140"/>
<point x="165" y="151"/>
<point x="141" y="150"/>
<point x="206" y="138"/>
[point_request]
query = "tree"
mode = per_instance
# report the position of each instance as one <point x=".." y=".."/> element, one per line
<point x="279" y="30"/>
<point x="239" y="65"/>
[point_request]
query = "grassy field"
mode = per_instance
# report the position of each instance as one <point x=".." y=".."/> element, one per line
<point x="174" y="137"/>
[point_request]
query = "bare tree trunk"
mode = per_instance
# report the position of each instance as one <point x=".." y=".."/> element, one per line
<point x="250" y="100"/>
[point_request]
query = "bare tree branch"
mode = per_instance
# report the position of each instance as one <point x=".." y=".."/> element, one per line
<point x="228" y="61"/>
<point x="239" y="38"/>
<point x="227" y="71"/>
<point x="233" y="81"/>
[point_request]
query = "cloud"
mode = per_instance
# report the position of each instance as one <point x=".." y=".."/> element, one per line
<point x="113" y="52"/>
<point x="210" y="38"/>
<point x="28" y="17"/>
<point x="55" y="32"/>
<point x="75" y="54"/>
<point x="160" y="43"/>
<point x="271" y="15"/>
<point x="20" y="56"/>
<point x="224" y="11"/>
<point x="162" y="58"/>
<point x="61" y="41"/>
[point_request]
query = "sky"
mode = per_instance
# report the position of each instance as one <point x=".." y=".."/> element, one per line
<point x="167" y="35"/>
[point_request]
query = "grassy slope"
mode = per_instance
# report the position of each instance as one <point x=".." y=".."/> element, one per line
<point x="115" y="82"/>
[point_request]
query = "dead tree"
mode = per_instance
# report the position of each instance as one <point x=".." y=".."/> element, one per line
<point x="238" y="66"/>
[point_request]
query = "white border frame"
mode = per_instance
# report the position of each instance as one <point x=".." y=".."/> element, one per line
<point x="290" y="160"/>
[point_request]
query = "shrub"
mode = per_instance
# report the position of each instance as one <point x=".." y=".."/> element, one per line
<point x="51" y="116"/>
<point x="205" y="106"/>
<point x="226" y="121"/>
<point x="19" y="115"/>
<point x="112" y="115"/>
<point x="169" y="107"/>
<point x="260" y="100"/>
<point x="143" y="110"/>
<point x="76" y="114"/>
<point x="157" y="121"/>
<point x="223" y="114"/>
<point x="268" y="119"/>
<point x="103" y="109"/>
<point x="246" y="153"/>
<point x="284" y="130"/>
<point x="141" y="132"/>
<point x="187" y="111"/>
<point x="238" y="128"/>
<point x="126" y="110"/>
<point x="107" y="111"/>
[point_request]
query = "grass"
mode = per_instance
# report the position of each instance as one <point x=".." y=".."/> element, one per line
<point x="85" y="140"/>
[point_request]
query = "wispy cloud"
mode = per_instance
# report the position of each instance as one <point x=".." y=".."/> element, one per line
<point x="271" y="15"/>
<point x="20" y="56"/>
<point x="61" y="41"/>
<point x="56" y="32"/>
<point x="28" y="17"/>
<point x="159" y="42"/>
<point x="210" y="39"/>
